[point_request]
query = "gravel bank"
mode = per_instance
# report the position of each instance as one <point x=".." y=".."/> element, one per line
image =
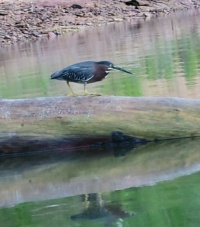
<point x="22" y="21"/>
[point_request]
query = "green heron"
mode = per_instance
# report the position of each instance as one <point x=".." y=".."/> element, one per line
<point x="86" y="72"/>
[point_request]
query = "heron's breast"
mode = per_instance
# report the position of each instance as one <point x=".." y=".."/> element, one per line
<point x="98" y="75"/>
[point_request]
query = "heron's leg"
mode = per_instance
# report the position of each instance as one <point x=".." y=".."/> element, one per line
<point x="86" y="201"/>
<point x="87" y="93"/>
<point x="72" y="93"/>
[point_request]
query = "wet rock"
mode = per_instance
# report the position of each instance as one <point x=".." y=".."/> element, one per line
<point x="51" y="35"/>
<point x="2" y="34"/>
<point x="132" y="3"/>
<point x="80" y="14"/>
<point x="76" y="6"/>
<point x="7" y="37"/>
<point x="3" y="12"/>
<point x="89" y="24"/>
<point x="118" y="19"/>
<point x="20" y="24"/>
<point x="36" y="34"/>
<point x="147" y="15"/>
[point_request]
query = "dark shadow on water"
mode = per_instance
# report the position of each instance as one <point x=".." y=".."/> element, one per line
<point x="27" y="152"/>
<point x="40" y="158"/>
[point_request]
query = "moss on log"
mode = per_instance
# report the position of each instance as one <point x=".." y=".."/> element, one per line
<point x="67" y="116"/>
<point x="38" y="124"/>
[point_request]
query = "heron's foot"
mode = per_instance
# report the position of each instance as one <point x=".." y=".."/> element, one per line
<point x="95" y="94"/>
<point x="87" y="93"/>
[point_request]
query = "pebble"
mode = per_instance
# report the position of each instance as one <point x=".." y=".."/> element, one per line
<point x="118" y="19"/>
<point x="3" y="12"/>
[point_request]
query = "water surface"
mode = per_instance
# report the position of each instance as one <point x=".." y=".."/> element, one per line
<point x="155" y="185"/>
<point x="163" y="54"/>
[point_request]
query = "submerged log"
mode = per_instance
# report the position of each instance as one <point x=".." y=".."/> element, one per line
<point x="76" y="118"/>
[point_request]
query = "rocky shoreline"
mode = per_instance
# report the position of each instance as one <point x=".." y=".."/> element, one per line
<point x="23" y="21"/>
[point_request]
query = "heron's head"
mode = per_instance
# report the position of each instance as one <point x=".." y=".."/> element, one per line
<point x="111" y="66"/>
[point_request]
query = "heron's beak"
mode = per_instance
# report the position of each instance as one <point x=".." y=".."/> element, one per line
<point x="121" y="69"/>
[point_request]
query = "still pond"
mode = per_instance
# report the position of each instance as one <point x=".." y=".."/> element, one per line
<point x="155" y="185"/>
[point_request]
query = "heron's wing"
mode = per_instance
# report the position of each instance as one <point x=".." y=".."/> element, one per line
<point x="78" y="73"/>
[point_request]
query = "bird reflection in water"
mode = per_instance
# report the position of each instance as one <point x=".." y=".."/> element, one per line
<point x="95" y="209"/>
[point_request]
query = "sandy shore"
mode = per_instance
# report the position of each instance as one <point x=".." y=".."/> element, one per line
<point x="23" y="20"/>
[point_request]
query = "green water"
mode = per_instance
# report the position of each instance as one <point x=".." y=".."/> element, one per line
<point x="163" y="54"/>
<point x="156" y="185"/>
<point x="174" y="203"/>
<point x="142" y="188"/>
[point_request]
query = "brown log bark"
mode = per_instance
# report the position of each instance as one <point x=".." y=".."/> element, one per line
<point x="45" y="119"/>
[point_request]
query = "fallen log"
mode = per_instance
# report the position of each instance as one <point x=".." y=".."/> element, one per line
<point x="95" y="118"/>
